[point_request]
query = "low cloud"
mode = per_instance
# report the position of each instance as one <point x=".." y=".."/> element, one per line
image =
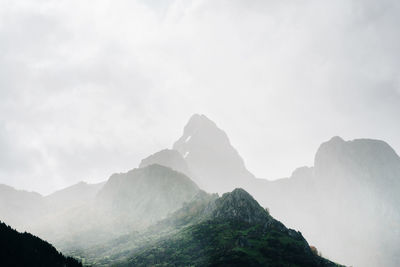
<point x="87" y="89"/>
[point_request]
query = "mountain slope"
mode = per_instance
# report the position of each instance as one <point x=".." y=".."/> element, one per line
<point x="18" y="207"/>
<point x="126" y="202"/>
<point x="366" y="162"/>
<point x="234" y="231"/>
<point x="352" y="189"/>
<point x="215" y="163"/>
<point x="72" y="196"/>
<point x="23" y="249"/>
<point x="147" y="194"/>
<point x="358" y="180"/>
<point x="25" y="210"/>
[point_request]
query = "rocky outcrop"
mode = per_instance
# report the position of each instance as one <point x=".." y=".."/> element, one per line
<point x="240" y="205"/>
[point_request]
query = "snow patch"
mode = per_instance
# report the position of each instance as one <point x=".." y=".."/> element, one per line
<point x="188" y="138"/>
<point x="186" y="154"/>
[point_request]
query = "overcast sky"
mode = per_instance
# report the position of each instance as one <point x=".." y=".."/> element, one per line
<point x="88" y="88"/>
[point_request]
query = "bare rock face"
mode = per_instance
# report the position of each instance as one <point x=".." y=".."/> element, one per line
<point x="214" y="162"/>
<point x="240" y="205"/>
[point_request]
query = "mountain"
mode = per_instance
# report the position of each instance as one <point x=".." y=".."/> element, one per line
<point x="234" y="231"/>
<point x="352" y="189"/>
<point x="23" y="209"/>
<point x="240" y="205"/>
<point x="73" y="196"/>
<point x="18" y="207"/>
<point x="126" y="202"/>
<point x="351" y="183"/>
<point x="363" y="178"/>
<point x="145" y="195"/>
<point x="368" y="163"/>
<point x="347" y="204"/>
<point x="215" y="164"/>
<point x="23" y="249"/>
<point x="168" y="158"/>
<point x="85" y="215"/>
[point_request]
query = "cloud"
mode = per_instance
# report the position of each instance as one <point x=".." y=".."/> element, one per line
<point x="87" y="89"/>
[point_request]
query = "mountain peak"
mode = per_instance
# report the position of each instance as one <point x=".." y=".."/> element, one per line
<point x="338" y="149"/>
<point x="145" y="195"/>
<point x="240" y="205"/>
<point x="360" y="161"/>
<point x="198" y="120"/>
<point x="214" y="162"/>
<point x="336" y="139"/>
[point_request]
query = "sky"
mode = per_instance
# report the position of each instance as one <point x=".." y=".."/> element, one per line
<point x="89" y="88"/>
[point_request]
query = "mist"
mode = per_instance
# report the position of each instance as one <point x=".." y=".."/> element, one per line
<point x="133" y="129"/>
<point x="87" y="88"/>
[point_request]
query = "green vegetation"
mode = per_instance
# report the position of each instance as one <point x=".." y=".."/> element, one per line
<point x="233" y="230"/>
<point x="230" y="243"/>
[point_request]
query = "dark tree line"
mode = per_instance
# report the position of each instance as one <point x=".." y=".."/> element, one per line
<point x="24" y="249"/>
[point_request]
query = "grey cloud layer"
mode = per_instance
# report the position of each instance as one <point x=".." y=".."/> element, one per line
<point x="87" y="89"/>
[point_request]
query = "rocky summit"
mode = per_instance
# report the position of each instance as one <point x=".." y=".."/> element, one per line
<point x="214" y="162"/>
<point x="240" y="205"/>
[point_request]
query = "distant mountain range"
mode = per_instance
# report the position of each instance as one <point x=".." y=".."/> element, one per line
<point x="347" y="205"/>
<point x="357" y="180"/>
<point x="353" y="190"/>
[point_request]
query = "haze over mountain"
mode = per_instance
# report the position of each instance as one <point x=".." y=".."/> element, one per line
<point x="347" y="204"/>
<point x="73" y="196"/>
<point x="235" y="231"/>
<point x="107" y="84"/>
<point x="232" y="230"/>
<point x="358" y="180"/>
<point x="17" y="207"/>
<point x="126" y="202"/>
<point x="169" y="158"/>
<point x="302" y="104"/>
<point x="83" y="215"/>
<point x="215" y="163"/>
<point x="23" y="209"/>
<point x="145" y="195"/>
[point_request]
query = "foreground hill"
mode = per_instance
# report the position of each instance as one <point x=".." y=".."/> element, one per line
<point x="23" y="249"/>
<point x="232" y="230"/>
<point x="235" y="231"/>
